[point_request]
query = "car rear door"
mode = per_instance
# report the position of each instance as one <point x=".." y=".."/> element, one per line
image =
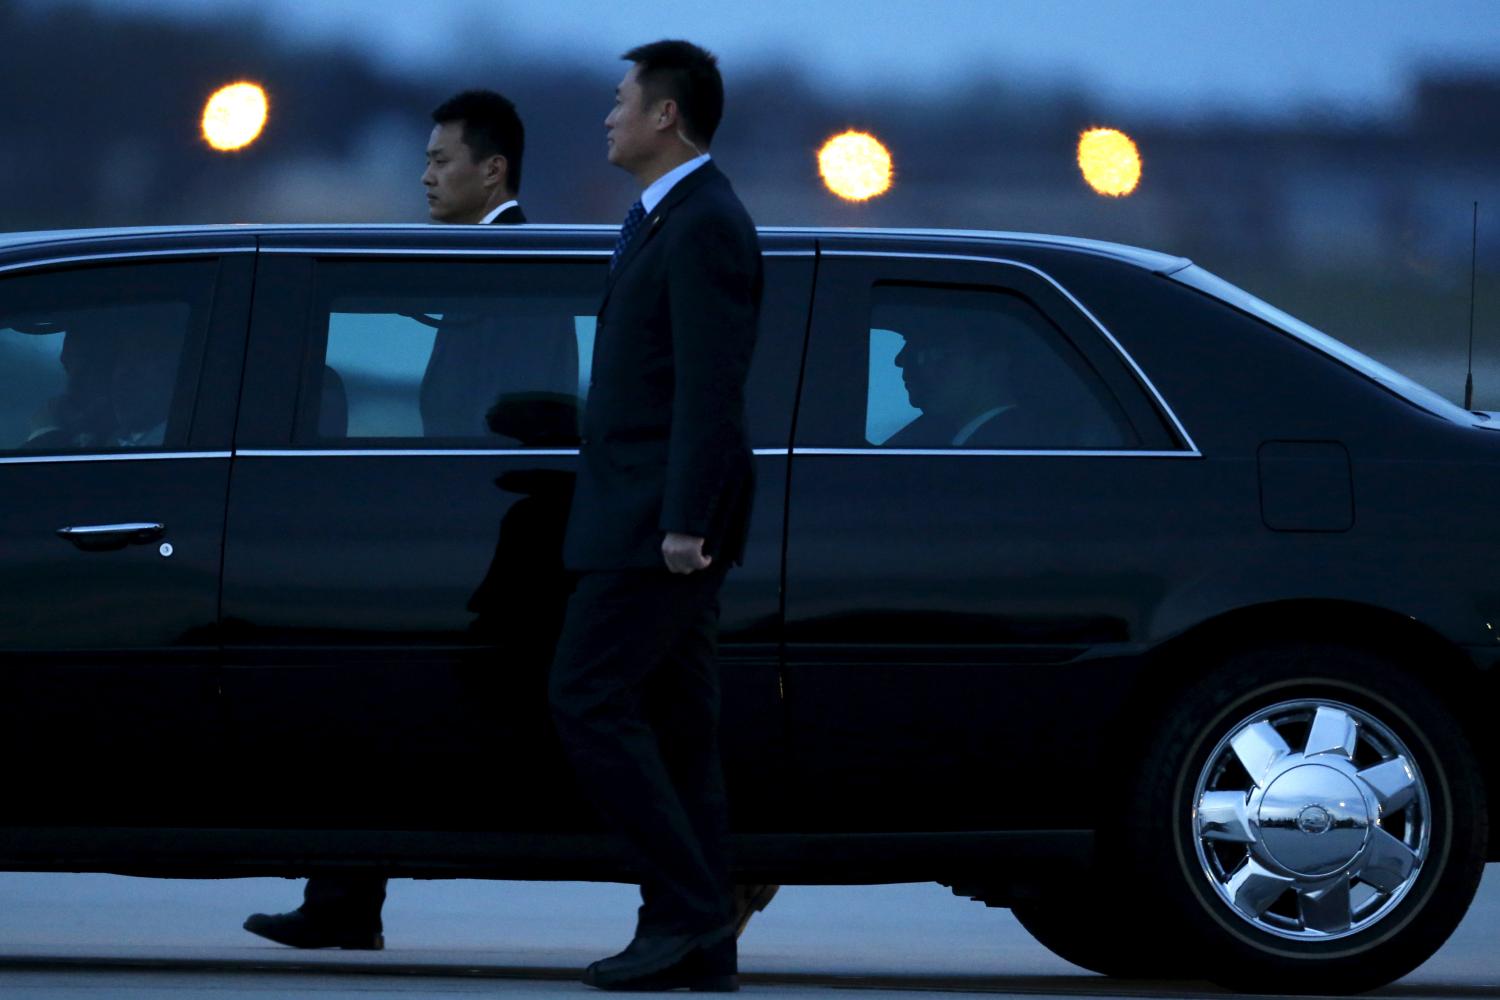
<point x="980" y="507"/>
<point x="118" y="375"/>
<point x="393" y="586"/>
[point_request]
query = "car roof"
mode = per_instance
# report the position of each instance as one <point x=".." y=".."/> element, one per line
<point x="1151" y="260"/>
<point x="935" y="240"/>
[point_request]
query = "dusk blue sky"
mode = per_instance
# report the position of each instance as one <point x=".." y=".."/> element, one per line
<point x="1268" y="58"/>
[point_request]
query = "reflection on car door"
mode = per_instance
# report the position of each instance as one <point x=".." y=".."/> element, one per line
<point x="116" y="390"/>
<point x="393" y="589"/>
<point x="393" y="581"/>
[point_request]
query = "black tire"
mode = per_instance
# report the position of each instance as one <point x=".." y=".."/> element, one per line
<point x="1270" y="951"/>
<point x="1102" y="942"/>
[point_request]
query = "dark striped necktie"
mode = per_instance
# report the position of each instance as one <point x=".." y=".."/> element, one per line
<point x="633" y="220"/>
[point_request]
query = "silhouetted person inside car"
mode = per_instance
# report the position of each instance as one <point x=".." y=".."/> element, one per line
<point x="82" y="415"/>
<point x="961" y="381"/>
<point x="121" y="378"/>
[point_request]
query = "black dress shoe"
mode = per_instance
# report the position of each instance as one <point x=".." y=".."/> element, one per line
<point x="301" y="931"/>
<point x="704" y="963"/>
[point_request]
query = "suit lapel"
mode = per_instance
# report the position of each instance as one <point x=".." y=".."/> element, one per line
<point x="653" y="222"/>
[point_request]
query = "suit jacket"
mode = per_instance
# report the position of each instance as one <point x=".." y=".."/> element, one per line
<point x="512" y="216"/>
<point x="478" y="359"/>
<point x="664" y="443"/>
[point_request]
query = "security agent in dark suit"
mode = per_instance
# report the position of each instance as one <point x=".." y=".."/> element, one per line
<point x="660" y="511"/>
<point x="474" y="160"/>
<point x="473" y="176"/>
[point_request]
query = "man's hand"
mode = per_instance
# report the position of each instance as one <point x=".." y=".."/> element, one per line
<point x="684" y="553"/>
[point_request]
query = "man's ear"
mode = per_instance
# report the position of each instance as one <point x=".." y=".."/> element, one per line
<point x="665" y="118"/>
<point x="497" y="171"/>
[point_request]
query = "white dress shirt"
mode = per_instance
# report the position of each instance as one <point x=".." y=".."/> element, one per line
<point x="652" y="196"/>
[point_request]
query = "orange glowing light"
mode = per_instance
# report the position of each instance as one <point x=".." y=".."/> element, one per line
<point x="855" y="166"/>
<point x="1110" y="161"/>
<point x="234" y="116"/>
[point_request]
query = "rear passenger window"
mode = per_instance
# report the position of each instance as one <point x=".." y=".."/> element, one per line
<point x="492" y="354"/>
<point x="980" y="368"/>
<point x="103" y="359"/>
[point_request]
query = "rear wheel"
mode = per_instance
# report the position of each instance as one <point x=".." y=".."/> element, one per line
<point x="1313" y="820"/>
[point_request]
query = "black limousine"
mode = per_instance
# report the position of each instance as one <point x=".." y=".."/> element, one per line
<point x="1080" y="580"/>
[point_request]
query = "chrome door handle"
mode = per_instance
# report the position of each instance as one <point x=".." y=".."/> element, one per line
<point x="113" y="536"/>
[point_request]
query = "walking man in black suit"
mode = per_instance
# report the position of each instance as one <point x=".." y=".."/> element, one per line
<point x="473" y="176"/>
<point x="660" y="511"/>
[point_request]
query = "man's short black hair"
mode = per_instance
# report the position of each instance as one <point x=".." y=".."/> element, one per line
<point x="688" y="75"/>
<point x="491" y="128"/>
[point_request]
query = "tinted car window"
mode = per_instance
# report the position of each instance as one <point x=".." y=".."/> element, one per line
<point x="965" y="367"/>
<point x="487" y="354"/>
<point x="100" y="359"/>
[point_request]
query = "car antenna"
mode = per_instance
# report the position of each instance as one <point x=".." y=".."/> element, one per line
<point x="1473" y="266"/>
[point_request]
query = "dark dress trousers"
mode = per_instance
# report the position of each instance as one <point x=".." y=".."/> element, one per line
<point x="354" y="899"/>
<point x="634" y="685"/>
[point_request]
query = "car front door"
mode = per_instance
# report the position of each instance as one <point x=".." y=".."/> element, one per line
<point x="117" y="382"/>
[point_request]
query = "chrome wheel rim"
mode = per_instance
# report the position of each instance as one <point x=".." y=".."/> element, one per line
<point x="1311" y="820"/>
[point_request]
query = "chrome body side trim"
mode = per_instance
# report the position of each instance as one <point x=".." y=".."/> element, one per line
<point x="431" y="452"/>
<point x="761" y="453"/>
<point x="401" y="452"/>
<point x="993" y="452"/>
<point x="1145" y="380"/>
<point x="555" y="452"/>
<point x="153" y="456"/>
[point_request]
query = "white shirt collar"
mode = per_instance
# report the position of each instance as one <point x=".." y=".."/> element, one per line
<point x="652" y="196"/>
<point x="969" y="428"/>
<point x="493" y="213"/>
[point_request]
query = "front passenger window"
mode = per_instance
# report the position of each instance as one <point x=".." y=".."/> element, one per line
<point x="96" y="360"/>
